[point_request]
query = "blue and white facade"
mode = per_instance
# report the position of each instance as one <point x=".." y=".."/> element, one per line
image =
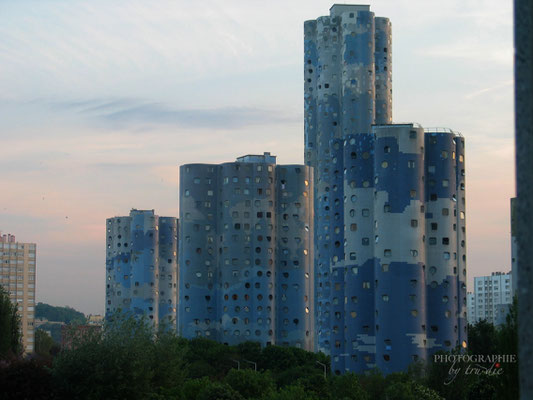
<point x="246" y="254"/>
<point x="141" y="266"/>
<point x="389" y="205"/>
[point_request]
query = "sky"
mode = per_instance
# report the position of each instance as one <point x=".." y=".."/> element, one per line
<point x="101" y="101"/>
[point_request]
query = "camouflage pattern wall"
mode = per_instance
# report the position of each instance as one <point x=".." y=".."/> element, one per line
<point x="246" y="252"/>
<point x="348" y="85"/>
<point x="141" y="266"/>
<point x="389" y="205"/>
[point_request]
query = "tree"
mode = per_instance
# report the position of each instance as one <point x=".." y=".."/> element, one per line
<point x="26" y="379"/>
<point x="347" y="387"/>
<point x="59" y="314"/>
<point x="43" y="343"/>
<point x="508" y="344"/>
<point x="128" y="360"/>
<point x="10" y="334"/>
<point x="218" y="391"/>
<point x="482" y="338"/>
<point x="249" y="383"/>
<point x="291" y="392"/>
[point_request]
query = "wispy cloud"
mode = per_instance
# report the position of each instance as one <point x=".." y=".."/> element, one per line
<point x="126" y="113"/>
<point x="489" y="89"/>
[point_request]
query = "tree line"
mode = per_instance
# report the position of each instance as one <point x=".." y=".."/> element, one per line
<point x="128" y="359"/>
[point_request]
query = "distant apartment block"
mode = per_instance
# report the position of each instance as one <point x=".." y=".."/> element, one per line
<point x="246" y="252"/>
<point x="17" y="276"/>
<point x="491" y="298"/>
<point x="141" y="266"/>
<point x="95" y="319"/>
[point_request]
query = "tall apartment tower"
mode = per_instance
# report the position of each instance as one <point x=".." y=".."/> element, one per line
<point x="246" y="253"/>
<point x="17" y="276"/>
<point x="389" y="205"/>
<point x="141" y="266"/>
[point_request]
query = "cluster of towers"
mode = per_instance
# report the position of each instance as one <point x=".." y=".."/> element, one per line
<point x="389" y="205"/>
<point x="360" y="253"/>
<point x="246" y="252"/>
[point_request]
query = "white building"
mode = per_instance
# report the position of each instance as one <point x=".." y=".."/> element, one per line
<point x="17" y="276"/>
<point x="491" y="298"/>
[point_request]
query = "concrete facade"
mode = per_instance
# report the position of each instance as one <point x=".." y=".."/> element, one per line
<point x="491" y="299"/>
<point x="17" y="276"/>
<point x="141" y="266"/>
<point x="390" y="247"/>
<point x="246" y="254"/>
<point x="523" y="37"/>
<point x="514" y="247"/>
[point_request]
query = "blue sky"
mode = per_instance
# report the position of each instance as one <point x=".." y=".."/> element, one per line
<point x="101" y="101"/>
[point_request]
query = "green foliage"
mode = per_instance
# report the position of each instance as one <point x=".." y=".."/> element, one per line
<point x="129" y="359"/>
<point x="10" y="335"/>
<point x="192" y="387"/>
<point x="218" y="391"/>
<point x="249" y="383"/>
<point x="291" y="392"/>
<point x="43" y="343"/>
<point x="126" y="360"/>
<point x="59" y="314"/>
<point x="442" y="379"/>
<point x="55" y="330"/>
<point x="347" y="387"/>
<point x="373" y="383"/>
<point x="508" y="344"/>
<point x="208" y="358"/>
<point x="483" y="339"/>
<point x="23" y="379"/>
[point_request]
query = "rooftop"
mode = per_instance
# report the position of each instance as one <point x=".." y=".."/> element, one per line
<point x="338" y="9"/>
<point x="258" y="158"/>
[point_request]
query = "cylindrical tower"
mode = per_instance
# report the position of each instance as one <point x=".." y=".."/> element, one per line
<point x="118" y="266"/>
<point x="461" y="238"/>
<point x="399" y="246"/>
<point x="441" y="227"/>
<point x="340" y="99"/>
<point x="247" y="252"/>
<point x="144" y="264"/>
<point x="336" y="243"/>
<point x="198" y="251"/>
<point x="358" y="71"/>
<point x="383" y="68"/>
<point x="359" y="252"/>
<point x="294" y="275"/>
<point x="168" y="271"/>
<point x="310" y="103"/>
<point x="141" y="266"/>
